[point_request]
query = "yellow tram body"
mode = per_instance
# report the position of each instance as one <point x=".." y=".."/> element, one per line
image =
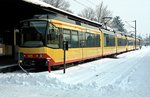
<point x="121" y="43"/>
<point x="104" y="43"/>
<point x="131" y="43"/>
<point x="73" y="54"/>
<point x="108" y="48"/>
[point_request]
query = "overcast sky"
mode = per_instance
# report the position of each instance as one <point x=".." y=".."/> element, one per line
<point x="128" y="10"/>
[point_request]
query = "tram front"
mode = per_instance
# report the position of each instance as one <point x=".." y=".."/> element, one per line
<point x="33" y="42"/>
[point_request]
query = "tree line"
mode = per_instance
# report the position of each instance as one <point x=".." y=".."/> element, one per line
<point x="98" y="14"/>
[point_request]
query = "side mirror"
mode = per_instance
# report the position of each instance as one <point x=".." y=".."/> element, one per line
<point x="51" y="30"/>
<point x="48" y="36"/>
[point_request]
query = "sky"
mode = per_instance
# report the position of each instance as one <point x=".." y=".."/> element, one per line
<point x="128" y="10"/>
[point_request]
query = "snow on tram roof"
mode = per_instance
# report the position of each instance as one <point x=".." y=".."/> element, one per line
<point x="43" y="4"/>
<point x="38" y="2"/>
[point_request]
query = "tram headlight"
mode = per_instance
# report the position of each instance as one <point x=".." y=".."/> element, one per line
<point x="40" y="55"/>
<point x="34" y="55"/>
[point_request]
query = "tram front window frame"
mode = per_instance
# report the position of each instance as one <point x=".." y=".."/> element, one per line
<point x="33" y="33"/>
<point x="53" y="36"/>
<point x="48" y="37"/>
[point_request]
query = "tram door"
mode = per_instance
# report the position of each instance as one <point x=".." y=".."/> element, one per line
<point x="82" y="42"/>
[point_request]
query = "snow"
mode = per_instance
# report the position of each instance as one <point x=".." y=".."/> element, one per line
<point x="128" y="75"/>
<point x="38" y="2"/>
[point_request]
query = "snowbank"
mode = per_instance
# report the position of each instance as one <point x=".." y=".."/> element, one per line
<point x="126" y="76"/>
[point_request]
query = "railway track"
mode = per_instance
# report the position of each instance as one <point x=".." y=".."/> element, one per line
<point x="9" y="68"/>
<point x="16" y="68"/>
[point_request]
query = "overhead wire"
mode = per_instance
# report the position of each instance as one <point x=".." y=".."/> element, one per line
<point x="129" y="25"/>
<point x="81" y="3"/>
<point x="91" y="2"/>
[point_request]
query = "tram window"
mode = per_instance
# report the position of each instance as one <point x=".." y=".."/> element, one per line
<point x="53" y="37"/>
<point x="92" y="44"/>
<point x="66" y="36"/>
<point x="106" y="40"/>
<point x="119" y="41"/>
<point x="82" y="39"/>
<point x="97" y="38"/>
<point x="88" y="39"/>
<point x="109" y="40"/>
<point x="33" y="33"/>
<point x="112" y="41"/>
<point x="130" y="42"/>
<point x="74" y="40"/>
<point x="123" y="43"/>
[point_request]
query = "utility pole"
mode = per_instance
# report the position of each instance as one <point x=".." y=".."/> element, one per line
<point x="134" y="29"/>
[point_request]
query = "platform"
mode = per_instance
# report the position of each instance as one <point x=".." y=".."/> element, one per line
<point x="7" y="64"/>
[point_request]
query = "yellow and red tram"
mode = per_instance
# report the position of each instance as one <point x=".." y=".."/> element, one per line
<point x="42" y="40"/>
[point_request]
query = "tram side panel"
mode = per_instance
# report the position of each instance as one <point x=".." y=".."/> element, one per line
<point x="131" y="43"/>
<point x="138" y="43"/>
<point x="121" y="43"/>
<point x="109" y="44"/>
<point x="89" y="41"/>
<point x="100" y="48"/>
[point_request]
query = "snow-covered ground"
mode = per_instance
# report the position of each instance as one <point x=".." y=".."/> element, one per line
<point x="126" y="76"/>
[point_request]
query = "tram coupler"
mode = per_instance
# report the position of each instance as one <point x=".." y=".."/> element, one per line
<point x="20" y="62"/>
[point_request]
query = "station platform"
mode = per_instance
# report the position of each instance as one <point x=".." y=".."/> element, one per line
<point x="7" y="64"/>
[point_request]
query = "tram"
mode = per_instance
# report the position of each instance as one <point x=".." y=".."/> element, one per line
<point x="42" y="40"/>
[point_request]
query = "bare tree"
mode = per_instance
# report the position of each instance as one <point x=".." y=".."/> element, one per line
<point x="62" y="4"/>
<point x="97" y="14"/>
<point x="102" y="11"/>
<point x="88" y="13"/>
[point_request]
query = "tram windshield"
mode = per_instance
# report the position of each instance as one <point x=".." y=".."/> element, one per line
<point x="33" y="33"/>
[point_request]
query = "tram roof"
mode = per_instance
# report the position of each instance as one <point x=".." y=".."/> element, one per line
<point x="49" y="8"/>
<point x="14" y="11"/>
